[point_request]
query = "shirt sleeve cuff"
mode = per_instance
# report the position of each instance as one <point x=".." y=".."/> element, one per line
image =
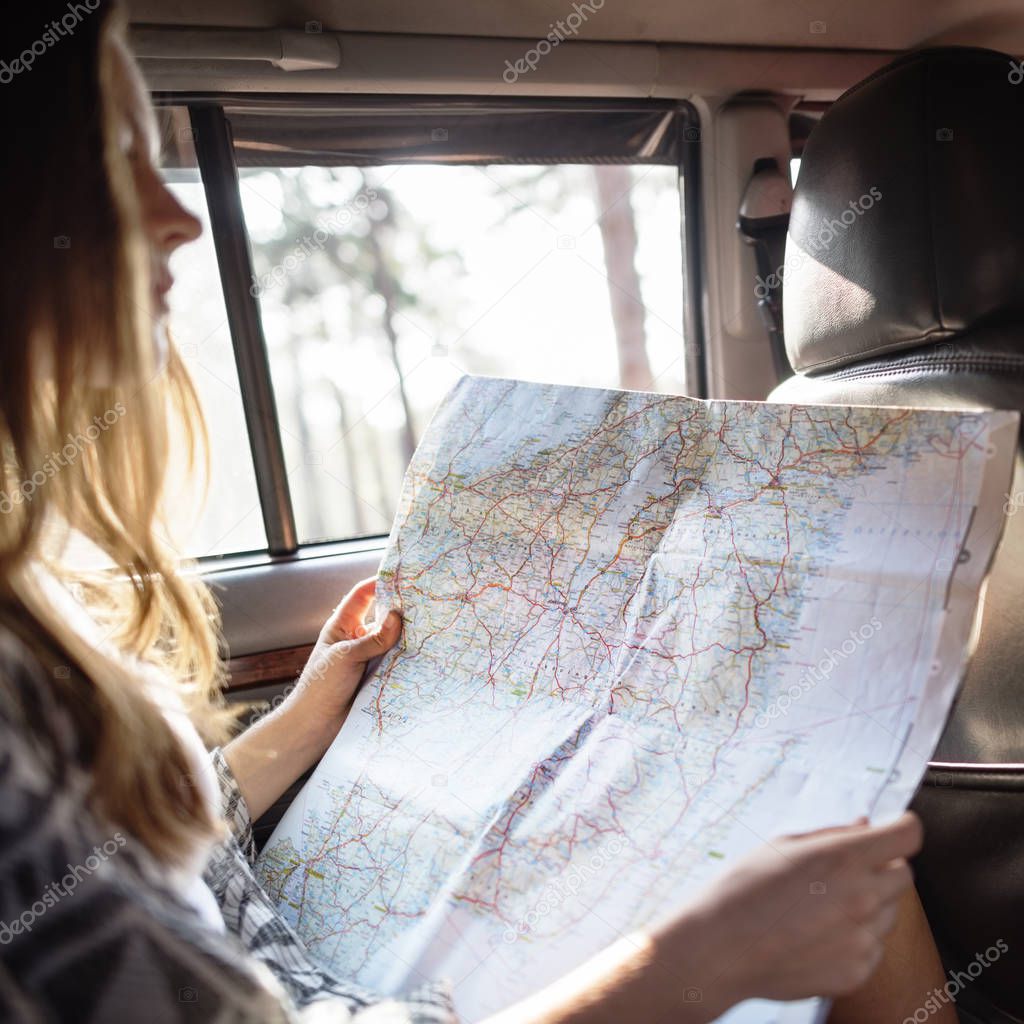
<point x="233" y="808"/>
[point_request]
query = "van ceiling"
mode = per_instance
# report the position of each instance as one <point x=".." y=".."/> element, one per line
<point x="885" y="25"/>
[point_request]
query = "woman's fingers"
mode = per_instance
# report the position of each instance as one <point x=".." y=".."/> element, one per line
<point x="887" y="888"/>
<point x="884" y="920"/>
<point x="884" y="843"/>
<point x="376" y="640"/>
<point x="867" y="845"/>
<point x="819" y="833"/>
<point x="347" y="619"/>
<point x="894" y="879"/>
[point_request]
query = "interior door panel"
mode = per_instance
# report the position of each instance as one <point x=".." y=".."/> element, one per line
<point x="277" y="603"/>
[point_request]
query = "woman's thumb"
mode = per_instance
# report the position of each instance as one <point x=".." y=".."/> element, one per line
<point x="378" y="639"/>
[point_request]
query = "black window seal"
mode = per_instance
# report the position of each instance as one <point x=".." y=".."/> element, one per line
<point x="692" y="227"/>
<point x="215" y="153"/>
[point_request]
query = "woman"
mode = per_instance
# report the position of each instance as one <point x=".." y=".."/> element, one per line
<point x="126" y="849"/>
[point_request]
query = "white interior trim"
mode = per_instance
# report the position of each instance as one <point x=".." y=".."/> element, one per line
<point x="230" y="60"/>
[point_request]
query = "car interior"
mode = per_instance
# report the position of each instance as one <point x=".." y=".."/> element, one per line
<point x="594" y="193"/>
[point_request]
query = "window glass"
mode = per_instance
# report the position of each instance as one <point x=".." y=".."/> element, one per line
<point x="230" y="519"/>
<point x="380" y="286"/>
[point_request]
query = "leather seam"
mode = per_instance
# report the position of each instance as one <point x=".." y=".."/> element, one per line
<point x="911" y="343"/>
<point x="935" y="367"/>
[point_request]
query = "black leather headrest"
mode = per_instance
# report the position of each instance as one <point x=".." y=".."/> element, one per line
<point x="908" y="219"/>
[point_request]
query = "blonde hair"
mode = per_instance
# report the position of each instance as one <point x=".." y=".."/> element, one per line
<point x="86" y="418"/>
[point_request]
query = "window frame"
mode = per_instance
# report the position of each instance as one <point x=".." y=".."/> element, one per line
<point x="218" y="169"/>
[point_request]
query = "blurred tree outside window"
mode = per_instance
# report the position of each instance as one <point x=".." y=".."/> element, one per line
<point x="380" y="286"/>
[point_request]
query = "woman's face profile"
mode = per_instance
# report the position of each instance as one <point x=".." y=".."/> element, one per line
<point x="166" y="223"/>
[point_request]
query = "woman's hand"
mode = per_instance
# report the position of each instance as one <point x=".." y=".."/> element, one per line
<point x="808" y="915"/>
<point x="803" y="916"/>
<point x="325" y="689"/>
<point x="270" y="755"/>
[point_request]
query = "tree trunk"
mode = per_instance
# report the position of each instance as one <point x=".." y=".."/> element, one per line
<point x="386" y="286"/>
<point x="618" y="236"/>
<point x="310" y="473"/>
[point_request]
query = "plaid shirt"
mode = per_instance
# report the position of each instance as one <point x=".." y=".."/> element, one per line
<point x="90" y="931"/>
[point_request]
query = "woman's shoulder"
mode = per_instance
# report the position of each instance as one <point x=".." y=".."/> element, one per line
<point x="21" y="668"/>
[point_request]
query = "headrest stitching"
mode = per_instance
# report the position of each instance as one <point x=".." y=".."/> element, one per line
<point x="921" y="364"/>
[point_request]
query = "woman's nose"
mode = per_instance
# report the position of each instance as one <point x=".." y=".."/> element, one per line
<point x="168" y="223"/>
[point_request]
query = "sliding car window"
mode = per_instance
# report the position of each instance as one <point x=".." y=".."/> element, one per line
<point x="398" y="245"/>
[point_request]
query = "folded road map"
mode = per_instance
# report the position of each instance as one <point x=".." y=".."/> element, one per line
<point x="643" y="634"/>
